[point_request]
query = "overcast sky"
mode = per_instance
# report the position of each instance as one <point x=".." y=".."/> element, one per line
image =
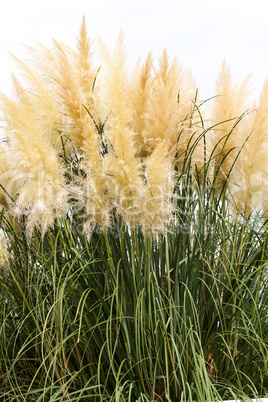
<point x="200" y="32"/>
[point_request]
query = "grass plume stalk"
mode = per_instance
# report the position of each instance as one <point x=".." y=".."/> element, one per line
<point x="132" y="269"/>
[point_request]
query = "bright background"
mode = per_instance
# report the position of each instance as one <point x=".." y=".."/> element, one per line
<point x="200" y="32"/>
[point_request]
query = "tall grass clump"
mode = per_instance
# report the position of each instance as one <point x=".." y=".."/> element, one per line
<point x="133" y="232"/>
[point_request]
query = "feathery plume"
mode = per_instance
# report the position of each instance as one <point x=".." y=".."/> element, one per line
<point x="37" y="174"/>
<point x="172" y="92"/>
<point x="229" y="105"/>
<point x="84" y="64"/>
<point x="139" y="97"/>
<point x="72" y="97"/>
<point x="121" y="162"/>
<point x="7" y="195"/>
<point x="77" y="98"/>
<point x="250" y="178"/>
<point x="43" y="101"/>
<point x="157" y="207"/>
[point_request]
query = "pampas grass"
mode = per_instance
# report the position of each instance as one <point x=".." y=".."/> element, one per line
<point x="133" y="228"/>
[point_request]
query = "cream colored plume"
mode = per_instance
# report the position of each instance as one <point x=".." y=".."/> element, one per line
<point x="250" y="178"/>
<point x="85" y="70"/>
<point x="37" y="175"/>
<point x="228" y="107"/>
<point x="157" y="210"/>
<point x="75" y="82"/>
<point x="42" y="99"/>
<point x="7" y="190"/>
<point x="139" y="97"/>
<point x="169" y="110"/>
<point x="122" y="163"/>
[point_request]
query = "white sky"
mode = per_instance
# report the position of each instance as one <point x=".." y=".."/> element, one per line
<point x="200" y="32"/>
